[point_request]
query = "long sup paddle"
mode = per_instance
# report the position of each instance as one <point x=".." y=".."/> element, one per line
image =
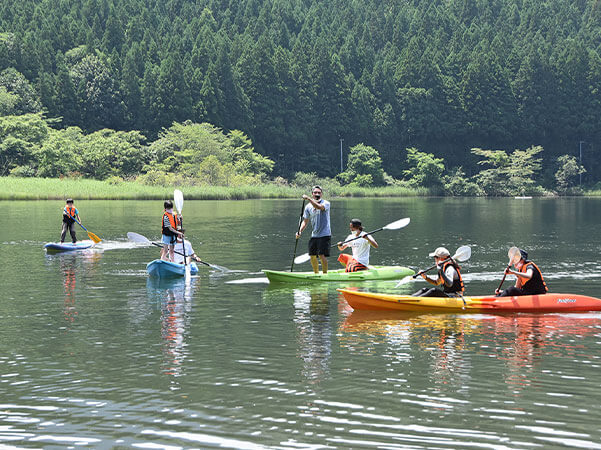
<point x="512" y="254"/>
<point x="300" y="221"/>
<point x="178" y="198"/>
<point x="138" y="238"/>
<point x="91" y="235"/>
<point x="401" y="223"/>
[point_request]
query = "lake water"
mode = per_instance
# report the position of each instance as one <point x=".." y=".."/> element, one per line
<point x="93" y="353"/>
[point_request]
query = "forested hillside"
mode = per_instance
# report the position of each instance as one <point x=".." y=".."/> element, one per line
<point x="296" y="76"/>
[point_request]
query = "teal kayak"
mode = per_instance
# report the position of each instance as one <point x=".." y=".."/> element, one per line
<point x="67" y="246"/>
<point x="163" y="269"/>
<point x="374" y="273"/>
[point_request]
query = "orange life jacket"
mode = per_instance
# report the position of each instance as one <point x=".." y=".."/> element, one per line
<point x="69" y="214"/>
<point x="457" y="285"/>
<point x="173" y="221"/>
<point x="536" y="284"/>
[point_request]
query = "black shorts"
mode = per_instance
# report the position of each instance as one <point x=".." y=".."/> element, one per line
<point x="320" y="245"/>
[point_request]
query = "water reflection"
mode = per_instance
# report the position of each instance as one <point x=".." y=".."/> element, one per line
<point x="174" y="298"/>
<point x="313" y="331"/>
<point x="521" y="341"/>
<point x="73" y="265"/>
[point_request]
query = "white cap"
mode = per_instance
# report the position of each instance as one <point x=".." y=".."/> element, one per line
<point x="440" y="252"/>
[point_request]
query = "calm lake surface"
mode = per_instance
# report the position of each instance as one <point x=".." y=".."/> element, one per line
<point x="93" y="353"/>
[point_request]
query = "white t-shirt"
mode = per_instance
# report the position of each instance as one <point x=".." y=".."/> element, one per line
<point x="179" y="259"/>
<point x="360" y="248"/>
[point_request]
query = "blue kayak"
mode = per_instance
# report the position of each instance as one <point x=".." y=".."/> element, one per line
<point x="67" y="246"/>
<point x="160" y="268"/>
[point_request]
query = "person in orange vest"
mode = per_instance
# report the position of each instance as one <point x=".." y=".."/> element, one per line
<point x="70" y="215"/>
<point x="449" y="277"/>
<point x="171" y="224"/>
<point x="529" y="278"/>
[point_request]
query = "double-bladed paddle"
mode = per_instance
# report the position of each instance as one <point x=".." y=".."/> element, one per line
<point x="401" y="223"/>
<point x="138" y="238"/>
<point x="463" y="253"/>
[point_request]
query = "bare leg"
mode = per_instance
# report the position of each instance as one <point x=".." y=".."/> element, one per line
<point x="171" y="253"/>
<point x="314" y="263"/>
<point x="164" y="252"/>
<point x="324" y="263"/>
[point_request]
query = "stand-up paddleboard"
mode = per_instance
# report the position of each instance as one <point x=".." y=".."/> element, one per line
<point x="162" y="269"/>
<point x="67" y="246"/>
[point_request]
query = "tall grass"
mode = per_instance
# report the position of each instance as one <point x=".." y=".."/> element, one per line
<point x="13" y="188"/>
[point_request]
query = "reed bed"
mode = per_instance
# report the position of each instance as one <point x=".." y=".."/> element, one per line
<point x="14" y="188"/>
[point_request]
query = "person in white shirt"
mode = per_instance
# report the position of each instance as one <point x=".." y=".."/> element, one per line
<point x="179" y="252"/>
<point x="360" y="244"/>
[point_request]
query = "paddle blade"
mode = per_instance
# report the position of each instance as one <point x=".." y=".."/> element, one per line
<point x="405" y="280"/>
<point x="401" y="223"/>
<point x="135" y="237"/>
<point x="93" y="237"/>
<point x="178" y="197"/>
<point x="514" y="255"/>
<point x="463" y="253"/>
<point x="302" y="258"/>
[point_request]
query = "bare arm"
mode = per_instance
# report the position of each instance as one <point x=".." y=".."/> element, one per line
<point x="314" y="203"/>
<point x="302" y="227"/>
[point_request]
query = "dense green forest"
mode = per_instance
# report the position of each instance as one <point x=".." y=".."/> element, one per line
<point x="458" y="83"/>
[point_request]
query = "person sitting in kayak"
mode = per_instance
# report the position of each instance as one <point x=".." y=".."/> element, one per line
<point x="359" y="260"/>
<point x="449" y="277"/>
<point x="169" y="231"/>
<point x="529" y="278"/>
<point x="179" y="251"/>
<point x="70" y="215"/>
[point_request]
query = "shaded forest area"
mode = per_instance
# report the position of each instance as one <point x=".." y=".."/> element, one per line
<point x="297" y="76"/>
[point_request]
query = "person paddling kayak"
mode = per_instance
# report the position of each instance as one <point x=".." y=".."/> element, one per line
<point x="170" y="224"/>
<point x="318" y="211"/>
<point x="179" y="251"/>
<point x="529" y="278"/>
<point x="70" y="215"/>
<point x="449" y="277"/>
<point x="359" y="260"/>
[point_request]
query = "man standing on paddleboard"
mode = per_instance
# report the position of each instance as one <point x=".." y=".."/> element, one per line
<point x="70" y="215"/>
<point x="318" y="211"/>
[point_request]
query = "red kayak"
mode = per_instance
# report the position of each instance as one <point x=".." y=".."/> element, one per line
<point x="484" y="304"/>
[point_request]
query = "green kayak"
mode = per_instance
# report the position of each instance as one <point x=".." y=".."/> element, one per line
<point x="374" y="273"/>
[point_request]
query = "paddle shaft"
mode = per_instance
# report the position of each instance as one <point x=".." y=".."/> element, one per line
<point x="300" y="221"/>
<point x="358" y="237"/>
<point x="430" y="268"/>
<point x="180" y="253"/>
<point x="504" y="276"/>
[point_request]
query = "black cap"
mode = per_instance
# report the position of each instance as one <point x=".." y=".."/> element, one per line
<point x="524" y="254"/>
<point x="168" y="204"/>
<point x="69" y="200"/>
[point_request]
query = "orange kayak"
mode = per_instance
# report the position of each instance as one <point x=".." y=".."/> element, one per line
<point x="484" y="304"/>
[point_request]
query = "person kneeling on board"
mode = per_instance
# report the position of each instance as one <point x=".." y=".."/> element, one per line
<point x="178" y="257"/>
<point x="529" y="278"/>
<point x="449" y="277"/>
<point x="359" y="260"/>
